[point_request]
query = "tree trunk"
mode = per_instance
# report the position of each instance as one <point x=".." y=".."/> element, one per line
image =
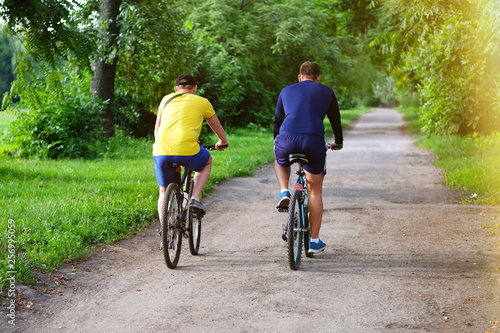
<point x="103" y="80"/>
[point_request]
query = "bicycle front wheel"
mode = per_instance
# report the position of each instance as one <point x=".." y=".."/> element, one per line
<point x="172" y="225"/>
<point x="294" y="231"/>
<point x="306" y="234"/>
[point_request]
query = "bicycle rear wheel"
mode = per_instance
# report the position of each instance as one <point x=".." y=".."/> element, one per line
<point x="294" y="232"/>
<point x="172" y="225"/>
<point x="194" y="232"/>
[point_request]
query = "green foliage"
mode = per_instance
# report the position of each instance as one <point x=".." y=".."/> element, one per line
<point x="49" y="27"/>
<point x="449" y="51"/>
<point x="242" y="54"/>
<point x="153" y="49"/>
<point x="5" y="119"/>
<point x="234" y="69"/>
<point x="58" y="117"/>
<point x="6" y="70"/>
<point x="410" y="116"/>
<point x="247" y="52"/>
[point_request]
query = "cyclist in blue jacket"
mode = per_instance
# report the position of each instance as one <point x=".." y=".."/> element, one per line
<point x="298" y="128"/>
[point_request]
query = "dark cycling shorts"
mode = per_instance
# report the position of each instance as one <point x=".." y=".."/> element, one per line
<point x="311" y="145"/>
<point x="165" y="172"/>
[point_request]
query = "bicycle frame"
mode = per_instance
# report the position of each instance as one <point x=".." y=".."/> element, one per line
<point x="185" y="185"/>
<point x="300" y="185"/>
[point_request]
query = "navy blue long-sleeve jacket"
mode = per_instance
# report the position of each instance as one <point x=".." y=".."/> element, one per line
<point x="302" y="107"/>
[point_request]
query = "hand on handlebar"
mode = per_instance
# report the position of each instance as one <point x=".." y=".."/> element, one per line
<point x="220" y="146"/>
<point x="335" y="146"/>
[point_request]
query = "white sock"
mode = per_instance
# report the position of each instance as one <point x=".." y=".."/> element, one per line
<point x="196" y="199"/>
<point x="315" y="240"/>
<point x="283" y="190"/>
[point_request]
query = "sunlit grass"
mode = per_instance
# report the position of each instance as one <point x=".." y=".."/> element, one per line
<point x="471" y="163"/>
<point x="5" y="119"/>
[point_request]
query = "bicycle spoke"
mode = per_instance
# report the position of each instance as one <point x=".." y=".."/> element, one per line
<point x="294" y="232"/>
<point x="172" y="229"/>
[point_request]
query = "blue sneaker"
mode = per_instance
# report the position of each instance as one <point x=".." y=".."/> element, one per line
<point x="316" y="247"/>
<point x="284" y="200"/>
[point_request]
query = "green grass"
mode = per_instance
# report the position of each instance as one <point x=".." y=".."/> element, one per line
<point x="61" y="208"/>
<point x="471" y="163"/>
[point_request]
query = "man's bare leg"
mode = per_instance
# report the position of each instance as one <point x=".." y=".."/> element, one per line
<point x="315" y="191"/>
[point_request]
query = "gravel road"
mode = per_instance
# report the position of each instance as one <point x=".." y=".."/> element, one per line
<point x="403" y="255"/>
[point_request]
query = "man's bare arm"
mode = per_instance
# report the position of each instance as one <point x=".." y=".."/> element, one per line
<point x="215" y="125"/>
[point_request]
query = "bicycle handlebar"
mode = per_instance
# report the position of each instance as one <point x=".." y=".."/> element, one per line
<point x="335" y="147"/>
<point x="212" y="147"/>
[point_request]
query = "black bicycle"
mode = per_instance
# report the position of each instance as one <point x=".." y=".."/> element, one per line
<point x="297" y="230"/>
<point x="177" y="220"/>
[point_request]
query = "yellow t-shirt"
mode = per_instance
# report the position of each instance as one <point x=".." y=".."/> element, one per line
<point x="180" y="125"/>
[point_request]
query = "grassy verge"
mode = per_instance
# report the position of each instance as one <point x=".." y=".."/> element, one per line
<point x="58" y="210"/>
<point x="470" y="163"/>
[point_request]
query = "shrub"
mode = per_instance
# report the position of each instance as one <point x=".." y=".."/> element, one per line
<point x="58" y="116"/>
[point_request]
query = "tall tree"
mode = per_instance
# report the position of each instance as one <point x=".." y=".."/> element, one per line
<point x="154" y="47"/>
<point x="52" y="30"/>
<point x="103" y="80"/>
<point x="249" y="50"/>
<point x="6" y="71"/>
<point x="448" y="50"/>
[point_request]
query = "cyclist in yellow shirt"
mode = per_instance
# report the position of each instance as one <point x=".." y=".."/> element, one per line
<point x="177" y="130"/>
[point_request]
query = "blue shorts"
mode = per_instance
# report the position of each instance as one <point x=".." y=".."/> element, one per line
<point x="311" y="145"/>
<point x="165" y="172"/>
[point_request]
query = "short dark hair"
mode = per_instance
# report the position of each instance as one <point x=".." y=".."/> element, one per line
<point x="310" y="70"/>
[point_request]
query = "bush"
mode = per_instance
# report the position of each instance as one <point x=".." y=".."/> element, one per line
<point x="57" y="116"/>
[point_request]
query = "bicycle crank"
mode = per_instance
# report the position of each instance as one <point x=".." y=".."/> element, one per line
<point x="283" y="235"/>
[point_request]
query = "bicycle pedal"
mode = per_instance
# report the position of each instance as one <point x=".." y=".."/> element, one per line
<point x="197" y="212"/>
<point x="283" y="235"/>
<point x="283" y="210"/>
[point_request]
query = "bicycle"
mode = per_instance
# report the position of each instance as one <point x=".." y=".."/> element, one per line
<point x="297" y="230"/>
<point x="178" y="221"/>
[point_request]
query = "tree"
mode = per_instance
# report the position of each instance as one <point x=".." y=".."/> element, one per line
<point x="48" y="27"/>
<point x="52" y="30"/>
<point x="249" y="50"/>
<point x="6" y="70"/>
<point x="57" y="116"/>
<point x="154" y="47"/>
<point x="449" y="51"/>
<point x="104" y="68"/>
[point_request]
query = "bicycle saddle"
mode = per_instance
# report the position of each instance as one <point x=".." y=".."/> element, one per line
<point x="298" y="158"/>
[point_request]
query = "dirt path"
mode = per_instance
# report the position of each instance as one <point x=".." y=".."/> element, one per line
<point x="402" y="256"/>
